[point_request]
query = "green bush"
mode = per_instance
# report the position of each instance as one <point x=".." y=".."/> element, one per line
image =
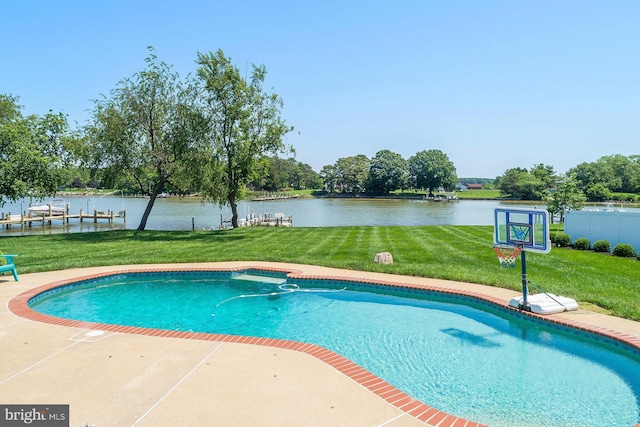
<point x="624" y="250"/>
<point x="562" y="240"/>
<point x="582" y="244"/>
<point x="624" y="197"/>
<point x="601" y="246"/>
<point x="553" y="235"/>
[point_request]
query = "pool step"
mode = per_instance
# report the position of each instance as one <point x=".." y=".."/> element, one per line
<point x="263" y="279"/>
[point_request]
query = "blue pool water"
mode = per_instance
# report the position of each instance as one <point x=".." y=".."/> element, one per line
<point x="461" y="356"/>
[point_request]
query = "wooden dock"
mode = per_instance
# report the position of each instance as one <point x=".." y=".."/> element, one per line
<point x="274" y="197"/>
<point x="266" y="220"/>
<point x="28" y="219"/>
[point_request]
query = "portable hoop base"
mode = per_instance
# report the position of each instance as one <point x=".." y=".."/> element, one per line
<point x="507" y="255"/>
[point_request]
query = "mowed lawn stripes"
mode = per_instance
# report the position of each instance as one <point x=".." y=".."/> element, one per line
<point x="462" y="253"/>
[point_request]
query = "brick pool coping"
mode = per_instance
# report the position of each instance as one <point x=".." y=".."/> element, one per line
<point x="417" y="409"/>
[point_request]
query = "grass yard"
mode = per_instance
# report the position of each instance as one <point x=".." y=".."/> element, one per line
<point x="479" y="194"/>
<point x="462" y="253"/>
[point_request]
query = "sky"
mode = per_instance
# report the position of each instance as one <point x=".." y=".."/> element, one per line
<point x="492" y="84"/>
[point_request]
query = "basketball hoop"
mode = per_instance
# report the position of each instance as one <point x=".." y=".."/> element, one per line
<point x="507" y="255"/>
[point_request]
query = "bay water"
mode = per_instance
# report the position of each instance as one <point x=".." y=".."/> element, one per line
<point x="174" y="213"/>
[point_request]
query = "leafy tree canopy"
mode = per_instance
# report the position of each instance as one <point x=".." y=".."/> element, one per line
<point x="148" y="129"/>
<point x="388" y="171"/>
<point x="34" y="152"/>
<point x="353" y="173"/>
<point x="278" y="174"/>
<point x="432" y="169"/>
<point x="597" y="193"/>
<point x="566" y="196"/>
<point x="616" y="173"/>
<point x="348" y="174"/>
<point x="520" y="183"/>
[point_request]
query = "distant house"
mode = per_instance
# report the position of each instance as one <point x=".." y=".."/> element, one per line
<point x="474" y="186"/>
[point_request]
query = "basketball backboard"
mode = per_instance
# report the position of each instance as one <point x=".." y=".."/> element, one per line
<point x="528" y="228"/>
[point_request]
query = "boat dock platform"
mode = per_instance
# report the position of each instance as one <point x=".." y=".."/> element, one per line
<point x="27" y="220"/>
<point x="274" y="197"/>
<point x="266" y="220"/>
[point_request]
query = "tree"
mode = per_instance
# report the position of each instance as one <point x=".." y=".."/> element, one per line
<point x="244" y="126"/>
<point x="301" y="175"/>
<point x="308" y="177"/>
<point x="544" y="174"/>
<point x="347" y="174"/>
<point x="352" y="173"/>
<point x="149" y="130"/>
<point x="567" y="196"/>
<point x="275" y="175"/>
<point x="519" y="183"/>
<point x="280" y="174"/>
<point x="588" y="174"/>
<point x="625" y="170"/>
<point x="329" y="175"/>
<point x="617" y="173"/>
<point x="597" y="193"/>
<point x="388" y="171"/>
<point x="33" y="152"/>
<point x="431" y="170"/>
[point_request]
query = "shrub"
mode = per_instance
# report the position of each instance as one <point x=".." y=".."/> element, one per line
<point x="624" y="250"/>
<point x="562" y="240"/>
<point x="601" y="246"/>
<point x="582" y="244"/>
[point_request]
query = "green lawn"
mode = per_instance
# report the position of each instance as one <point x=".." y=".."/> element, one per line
<point x="461" y="253"/>
<point x="478" y="194"/>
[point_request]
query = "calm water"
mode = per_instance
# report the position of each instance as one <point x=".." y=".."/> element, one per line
<point x="183" y="214"/>
<point x="464" y="358"/>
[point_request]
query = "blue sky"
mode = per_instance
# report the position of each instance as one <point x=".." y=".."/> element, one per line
<point x="493" y="84"/>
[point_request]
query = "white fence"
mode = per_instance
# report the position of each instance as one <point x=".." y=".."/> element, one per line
<point x="612" y="226"/>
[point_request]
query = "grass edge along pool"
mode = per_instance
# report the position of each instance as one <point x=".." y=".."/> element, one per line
<point x="386" y="289"/>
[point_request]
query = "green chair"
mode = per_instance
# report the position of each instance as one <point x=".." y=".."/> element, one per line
<point x="9" y="266"/>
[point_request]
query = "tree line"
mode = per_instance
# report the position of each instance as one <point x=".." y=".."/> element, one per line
<point x="388" y="171"/>
<point x="614" y="177"/>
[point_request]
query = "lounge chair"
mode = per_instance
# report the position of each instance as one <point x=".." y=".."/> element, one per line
<point x="9" y="266"/>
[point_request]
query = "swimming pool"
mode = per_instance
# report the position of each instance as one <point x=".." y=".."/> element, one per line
<point x="463" y="356"/>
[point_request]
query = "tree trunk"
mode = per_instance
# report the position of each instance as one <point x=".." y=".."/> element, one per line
<point x="231" y="198"/>
<point x="234" y="212"/>
<point x="147" y="211"/>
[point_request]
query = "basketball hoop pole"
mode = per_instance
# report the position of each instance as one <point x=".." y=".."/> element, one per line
<point x="525" y="289"/>
<point x="524" y="230"/>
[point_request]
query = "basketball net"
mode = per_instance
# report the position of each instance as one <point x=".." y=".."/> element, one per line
<point x="507" y="255"/>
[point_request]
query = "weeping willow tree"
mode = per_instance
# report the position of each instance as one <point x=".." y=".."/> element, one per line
<point x="244" y="125"/>
<point x="150" y="130"/>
